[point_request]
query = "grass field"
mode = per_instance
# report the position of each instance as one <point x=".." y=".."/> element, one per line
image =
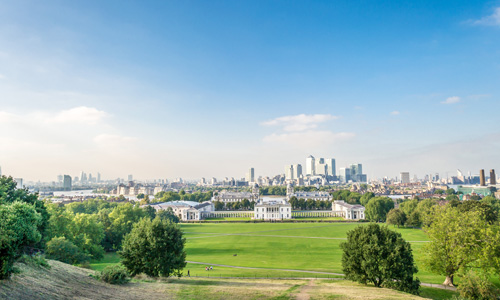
<point x="63" y="281"/>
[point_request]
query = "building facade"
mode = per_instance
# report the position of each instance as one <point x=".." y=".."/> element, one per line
<point x="348" y="211"/>
<point x="272" y="209"/>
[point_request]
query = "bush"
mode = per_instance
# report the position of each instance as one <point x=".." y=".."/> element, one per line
<point x="36" y="260"/>
<point x="477" y="287"/>
<point x="116" y="274"/>
<point x="63" y="250"/>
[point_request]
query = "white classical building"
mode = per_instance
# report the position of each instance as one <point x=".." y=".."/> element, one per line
<point x="186" y="210"/>
<point x="348" y="211"/>
<point x="270" y="208"/>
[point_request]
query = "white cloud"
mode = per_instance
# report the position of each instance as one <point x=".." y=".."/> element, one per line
<point x="451" y="100"/>
<point x="395" y="113"/>
<point x="491" y="20"/>
<point x="300" y="122"/>
<point x="81" y="114"/>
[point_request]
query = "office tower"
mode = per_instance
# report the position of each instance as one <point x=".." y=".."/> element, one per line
<point x="344" y="174"/>
<point x="91" y="179"/>
<point x="493" y="177"/>
<point x="482" y="179"/>
<point x="330" y="167"/>
<point x="251" y="175"/>
<point x="297" y="171"/>
<point x="405" y="177"/>
<point x="320" y="167"/>
<point x="130" y="178"/>
<point x="98" y="177"/>
<point x="356" y="169"/>
<point x="19" y="182"/>
<point x="59" y="179"/>
<point x="289" y="172"/>
<point x="310" y="165"/>
<point x="214" y="180"/>
<point x="0" y="171"/>
<point x="67" y="183"/>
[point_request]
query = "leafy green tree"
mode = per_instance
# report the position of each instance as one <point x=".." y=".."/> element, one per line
<point x="294" y="202"/>
<point x="168" y="215"/>
<point x="123" y="217"/>
<point x="9" y="193"/>
<point x="396" y="217"/>
<point x="155" y="248"/>
<point x="451" y="197"/>
<point x="376" y="254"/>
<point x="477" y="287"/>
<point x="59" y="248"/>
<point x="458" y="241"/>
<point x="310" y="204"/>
<point x="218" y="205"/>
<point x="365" y="198"/>
<point x="487" y="212"/>
<point x="377" y="208"/>
<point x="87" y="233"/>
<point x="450" y="192"/>
<point x="19" y="223"/>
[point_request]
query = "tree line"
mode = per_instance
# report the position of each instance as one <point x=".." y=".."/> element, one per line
<point x="72" y="233"/>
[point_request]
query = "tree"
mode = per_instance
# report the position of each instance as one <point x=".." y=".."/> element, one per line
<point x="377" y="208"/>
<point x="87" y="233"/>
<point x="218" y="205"/>
<point x="396" y="217"/>
<point x="487" y="212"/>
<point x="155" y="248"/>
<point x="376" y="254"/>
<point x="9" y="193"/>
<point x="59" y="248"/>
<point x="18" y="228"/>
<point x="168" y="215"/>
<point x="458" y="240"/>
<point x="366" y="197"/>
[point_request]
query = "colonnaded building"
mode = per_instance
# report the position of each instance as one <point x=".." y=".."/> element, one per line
<point x="266" y="208"/>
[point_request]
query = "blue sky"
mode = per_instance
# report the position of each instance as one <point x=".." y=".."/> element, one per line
<point x="210" y="88"/>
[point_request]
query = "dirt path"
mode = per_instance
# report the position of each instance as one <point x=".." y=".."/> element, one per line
<point x="304" y="291"/>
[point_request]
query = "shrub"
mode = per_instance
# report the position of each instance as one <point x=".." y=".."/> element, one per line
<point x="34" y="260"/>
<point x="116" y="274"/>
<point x="63" y="250"/>
<point x="477" y="287"/>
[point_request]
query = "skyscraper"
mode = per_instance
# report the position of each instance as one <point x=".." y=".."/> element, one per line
<point x="130" y="177"/>
<point x="98" y="177"/>
<point x="405" y="177"/>
<point x="310" y="165"/>
<point x="251" y="175"/>
<point x="297" y="171"/>
<point x="67" y="183"/>
<point x="345" y="174"/>
<point x="330" y="167"/>
<point x="289" y="172"/>
<point x="320" y="167"/>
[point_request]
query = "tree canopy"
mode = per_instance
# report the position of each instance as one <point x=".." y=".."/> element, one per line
<point x="376" y="254"/>
<point x="155" y="248"/>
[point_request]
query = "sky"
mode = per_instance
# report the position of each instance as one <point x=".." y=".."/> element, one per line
<point x="191" y="89"/>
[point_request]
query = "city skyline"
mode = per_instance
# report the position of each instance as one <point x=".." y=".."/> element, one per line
<point x="195" y="89"/>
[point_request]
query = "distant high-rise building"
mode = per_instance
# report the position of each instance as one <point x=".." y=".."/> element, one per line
<point x="297" y="171"/>
<point x="310" y="165"/>
<point x="83" y="177"/>
<point x="344" y="174"/>
<point x="59" y="179"/>
<point x="98" y="177"/>
<point x="0" y="171"/>
<point x="320" y="168"/>
<point x="289" y="172"/>
<point x="482" y="179"/>
<point x="405" y="177"/>
<point x="251" y="175"/>
<point x="19" y="182"/>
<point x="330" y="167"/>
<point x="67" y="183"/>
<point x="130" y="178"/>
<point x="356" y="169"/>
<point x="91" y="178"/>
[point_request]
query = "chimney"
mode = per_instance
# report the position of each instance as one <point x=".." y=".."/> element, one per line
<point x="493" y="177"/>
<point x="482" y="181"/>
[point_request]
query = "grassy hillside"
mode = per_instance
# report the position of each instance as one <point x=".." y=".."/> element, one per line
<point x="63" y="281"/>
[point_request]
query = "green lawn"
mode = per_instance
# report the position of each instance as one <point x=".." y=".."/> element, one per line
<point x="296" y="246"/>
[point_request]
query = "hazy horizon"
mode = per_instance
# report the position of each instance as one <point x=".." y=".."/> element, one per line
<point x="197" y="89"/>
